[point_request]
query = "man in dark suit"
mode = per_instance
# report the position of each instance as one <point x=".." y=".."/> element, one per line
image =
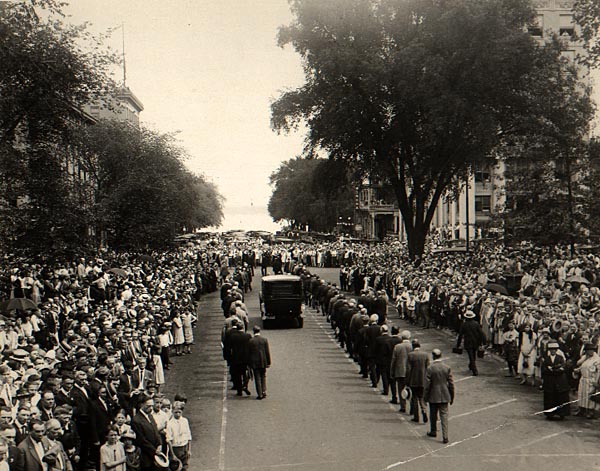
<point x="147" y="437"/>
<point x="80" y="398"/>
<point x="260" y="360"/>
<point x="418" y="362"/>
<point x="373" y="331"/>
<point x="34" y="447"/>
<point x="14" y="456"/>
<point x="384" y="346"/>
<point x="237" y="356"/>
<point x="22" y="423"/>
<point x="439" y="391"/>
<point x="46" y="405"/>
<point x="473" y="336"/>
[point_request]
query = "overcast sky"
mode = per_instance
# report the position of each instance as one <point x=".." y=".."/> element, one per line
<point x="210" y="69"/>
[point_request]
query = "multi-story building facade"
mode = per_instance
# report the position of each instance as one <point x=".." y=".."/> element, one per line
<point x="123" y="106"/>
<point x="471" y="212"/>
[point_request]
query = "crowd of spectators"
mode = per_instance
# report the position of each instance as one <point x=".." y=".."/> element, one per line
<point x="90" y="352"/>
<point x="84" y="349"/>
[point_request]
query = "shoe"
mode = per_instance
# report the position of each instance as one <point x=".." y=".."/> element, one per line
<point x="264" y="395"/>
<point x="247" y="391"/>
<point x="475" y="373"/>
<point x="445" y="440"/>
<point x="239" y="393"/>
<point x="415" y="419"/>
<point x="383" y="393"/>
<point x="394" y="401"/>
<point x="259" y="398"/>
<point x="432" y="434"/>
<point x="402" y="409"/>
<point x="425" y="419"/>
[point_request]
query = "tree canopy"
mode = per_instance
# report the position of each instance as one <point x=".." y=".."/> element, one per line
<point x="145" y="195"/>
<point x="417" y="92"/>
<point x="311" y="192"/>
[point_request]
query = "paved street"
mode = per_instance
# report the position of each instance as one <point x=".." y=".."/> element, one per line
<point x="321" y="415"/>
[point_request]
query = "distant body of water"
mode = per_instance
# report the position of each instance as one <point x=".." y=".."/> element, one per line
<point x="254" y="218"/>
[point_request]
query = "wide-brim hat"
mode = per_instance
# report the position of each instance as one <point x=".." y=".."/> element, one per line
<point x="553" y="345"/>
<point x="406" y="394"/>
<point x="161" y="460"/>
<point x="469" y="315"/>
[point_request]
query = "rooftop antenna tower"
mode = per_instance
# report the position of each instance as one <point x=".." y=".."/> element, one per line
<point x="124" y="63"/>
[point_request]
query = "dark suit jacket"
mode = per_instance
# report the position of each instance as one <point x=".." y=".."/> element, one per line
<point x="418" y="362"/>
<point x="16" y="459"/>
<point x="439" y="385"/>
<point x="147" y="438"/>
<point x="472" y="334"/>
<point x="238" y="347"/>
<point x="100" y="418"/>
<point x="260" y="355"/>
<point x="384" y="346"/>
<point x="31" y="459"/>
<point x="22" y="433"/>
<point x="81" y="407"/>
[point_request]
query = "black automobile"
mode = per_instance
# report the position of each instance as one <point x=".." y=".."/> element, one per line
<point x="281" y="299"/>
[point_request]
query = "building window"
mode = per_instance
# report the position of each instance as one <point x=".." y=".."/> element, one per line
<point x="483" y="204"/>
<point x="536" y="28"/>
<point x="482" y="176"/>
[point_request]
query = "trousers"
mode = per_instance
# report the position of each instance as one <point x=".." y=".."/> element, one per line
<point x="260" y="381"/>
<point x="442" y="409"/>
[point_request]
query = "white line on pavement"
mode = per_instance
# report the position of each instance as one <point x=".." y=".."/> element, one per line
<point x="537" y="440"/>
<point x="482" y="409"/>
<point x="463" y="379"/>
<point x="223" y="422"/>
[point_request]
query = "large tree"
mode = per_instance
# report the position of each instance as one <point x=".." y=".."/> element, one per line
<point x="145" y="195"/>
<point x="311" y="192"/>
<point x="49" y="71"/>
<point x="416" y="92"/>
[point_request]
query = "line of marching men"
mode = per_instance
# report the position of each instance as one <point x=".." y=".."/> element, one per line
<point x="387" y="356"/>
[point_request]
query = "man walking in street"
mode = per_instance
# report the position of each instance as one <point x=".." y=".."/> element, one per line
<point x="398" y="368"/>
<point x="439" y="391"/>
<point x="260" y="360"/>
<point x="473" y="337"/>
<point x="418" y="362"/>
<point x="237" y="356"/>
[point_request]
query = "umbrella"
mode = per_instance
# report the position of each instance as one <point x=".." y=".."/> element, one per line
<point x="21" y="304"/>
<point x="119" y="272"/>
<point x="496" y="288"/>
<point x="577" y="279"/>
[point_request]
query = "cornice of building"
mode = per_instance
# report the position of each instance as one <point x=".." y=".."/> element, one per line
<point x="126" y="94"/>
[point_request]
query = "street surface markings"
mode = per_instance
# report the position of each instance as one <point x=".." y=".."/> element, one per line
<point x="223" y="422"/>
<point x="463" y="379"/>
<point x="538" y="440"/>
<point x="493" y="406"/>
<point x="413" y="429"/>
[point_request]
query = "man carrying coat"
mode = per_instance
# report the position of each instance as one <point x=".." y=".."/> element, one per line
<point x="260" y="360"/>
<point x="439" y="391"/>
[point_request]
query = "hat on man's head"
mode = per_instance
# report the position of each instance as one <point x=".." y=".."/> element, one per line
<point x="469" y="315"/>
<point x="553" y="345"/>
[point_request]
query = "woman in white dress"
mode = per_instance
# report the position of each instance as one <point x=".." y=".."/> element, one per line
<point x="588" y="367"/>
<point x="178" y="337"/>
<point x="527" y="354"/>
